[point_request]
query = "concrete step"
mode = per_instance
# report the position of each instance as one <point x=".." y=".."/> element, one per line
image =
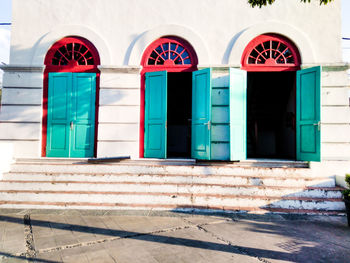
<point x="175" y="208"/>
<point x="272" y="163"/>
<point x="139" y="168"/>
<point x="161" y="187"/>
<point x="133" y="199"/>
<point x="145" y="161"/>
<point x="266" y="180"/>
<point x="175" y="185"/>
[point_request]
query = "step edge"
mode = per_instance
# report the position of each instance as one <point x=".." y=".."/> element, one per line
<point x="174" y="184"/>
<point x="176" y="194"/>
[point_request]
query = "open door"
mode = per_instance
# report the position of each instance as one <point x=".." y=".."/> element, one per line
<point x="155" y="114"/>
<point x="308" y="112"/>
<point x="238" y="114"/>
<point x="201" y="114"/>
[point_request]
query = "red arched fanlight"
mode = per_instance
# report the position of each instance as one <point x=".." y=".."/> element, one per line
<point x="170" y="53"/>
<point x="271" y="52"/>
<point x="70" y="54"/>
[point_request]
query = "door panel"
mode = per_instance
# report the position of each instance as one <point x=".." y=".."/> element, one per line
<point x="201" y="114"/>
<point x="155" y="114"/>
<point x="308" y="107"/>
<point x="238" y="114"/>
<point x="83" y="114"/>
<point x="58" y="111"/>
<point x="71" y="115"/>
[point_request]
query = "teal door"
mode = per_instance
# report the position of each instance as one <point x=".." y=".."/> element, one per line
<point x="201" y="114"/>
<point x="308" y="113"/>
<point x="155" y="114"/>
<point x="238" y="114"/>
<point x="71" y="115"/>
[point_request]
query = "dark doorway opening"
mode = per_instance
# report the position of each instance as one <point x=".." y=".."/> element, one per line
<point x="179" y="115"/>
<point x="271" y="115"/>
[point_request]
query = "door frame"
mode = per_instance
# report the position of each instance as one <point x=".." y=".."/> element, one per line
<point x="70" y="68"/>
<point x="250" y="63"/>
<point x="168" y="68"/>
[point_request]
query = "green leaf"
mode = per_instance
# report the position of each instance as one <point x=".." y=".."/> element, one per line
<point x="261" y="3"/>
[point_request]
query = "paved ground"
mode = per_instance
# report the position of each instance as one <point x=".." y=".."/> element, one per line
<point x="139" y="236"/>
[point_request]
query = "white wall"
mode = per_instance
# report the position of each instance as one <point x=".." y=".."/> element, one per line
<point x="219" y="30"/>
<point x="213" y="27"/>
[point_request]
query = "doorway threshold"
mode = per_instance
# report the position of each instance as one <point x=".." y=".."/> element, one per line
<point x="258" y="162"/>
<point x="170" y="161"/>
<point x="266" y="162"/>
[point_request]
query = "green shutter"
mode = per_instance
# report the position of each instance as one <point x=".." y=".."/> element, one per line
<point x="238" y="114"/>
<point x="155" y="114"/>
<point x="308" y="107"/>
<point x="201" y="114"/>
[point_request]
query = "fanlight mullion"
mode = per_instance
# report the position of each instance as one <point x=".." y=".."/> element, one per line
<point x="168" y="51"/>
<point x="280" y="54"/>
<point x="72" y="52"/>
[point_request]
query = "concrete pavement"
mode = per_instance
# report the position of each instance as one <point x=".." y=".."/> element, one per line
<point x="150" y="236"/>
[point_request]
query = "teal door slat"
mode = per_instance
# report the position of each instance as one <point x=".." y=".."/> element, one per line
<point x="71" y="115"/>
<point x="308" y="112"/>
<point x="238" y="114"/>
<point x="155" y="114"/>
<point x="201" y="114"/>
<point x="58" y="114"/>
<point x="83" y="115"/>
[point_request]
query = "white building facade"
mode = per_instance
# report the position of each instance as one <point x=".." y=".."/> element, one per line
<point x="213" y="114"/>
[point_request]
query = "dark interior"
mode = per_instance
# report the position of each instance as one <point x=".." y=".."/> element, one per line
<point x="179" y="115"/>
<point x="271" y="115"/>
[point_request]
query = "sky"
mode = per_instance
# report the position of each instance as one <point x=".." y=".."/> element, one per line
<point x="5" y="17"/>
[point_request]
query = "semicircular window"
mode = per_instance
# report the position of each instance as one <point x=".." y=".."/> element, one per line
<point x="73" y="53"/>
<point x="271" y="52"/>
<point x="169" y="53"/>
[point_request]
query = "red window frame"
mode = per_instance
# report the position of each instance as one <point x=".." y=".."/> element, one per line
<point x="73" y="68"/>
<point x="270" y="64"/>
<point x="168" y="66"/>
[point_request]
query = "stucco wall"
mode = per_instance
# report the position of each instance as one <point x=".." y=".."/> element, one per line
<point x="218" y="30"/>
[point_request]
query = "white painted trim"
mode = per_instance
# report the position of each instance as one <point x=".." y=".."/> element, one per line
<point x="145" y="39"/>
<point x="301" y="40"/>
<point x="46" y="41"/>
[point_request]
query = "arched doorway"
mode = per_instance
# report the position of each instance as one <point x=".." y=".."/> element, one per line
<point x="70" y="99"/>
<point x="166" y="98"/>
<point x="283" y="102"/>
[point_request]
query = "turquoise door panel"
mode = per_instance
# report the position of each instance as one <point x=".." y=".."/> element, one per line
<point x="220" y="115"/>
<point x="220" y="96"/>
<point x="58" y="114"/>
<point x="201" y="114"/>
<point x="220" y="151"/>
<point x="71" y="115"/>
<point x="238" y="114"/>
<point x="155" y="114"/>
<point x="220" y="133"/>
<point x="308" y="112"/>
<point x="83" y="115"/>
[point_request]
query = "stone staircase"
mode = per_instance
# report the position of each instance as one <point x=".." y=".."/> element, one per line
<point x="273" y="186"/>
